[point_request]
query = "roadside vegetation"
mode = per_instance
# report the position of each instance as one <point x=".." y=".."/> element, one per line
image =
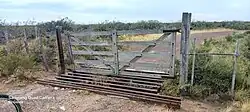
<point x="212" y="80"/>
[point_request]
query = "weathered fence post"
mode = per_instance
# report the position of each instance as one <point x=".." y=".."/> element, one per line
<point x="115" y="52"/>
<point x="6" y="36"/>
<point x="193" y="63"/>
<point x="25" y="41"/>
<point x="173" y="52"/>
<point x="236" y="54"/>
<point x="185" y="31"/>
<point x="60" y="49"/>
<point x="42" y="52"/>
<point x="184" y="47"/>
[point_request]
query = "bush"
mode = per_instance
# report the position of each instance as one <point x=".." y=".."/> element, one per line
<point x="170" y="87"/>
<point x="213" y="74"/>
<point x="12" y="63"/>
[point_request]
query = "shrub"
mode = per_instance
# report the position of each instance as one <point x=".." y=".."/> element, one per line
<point x="14" y="62"/>
<point x="170" y="87"/>
<point x="242" y="95"/>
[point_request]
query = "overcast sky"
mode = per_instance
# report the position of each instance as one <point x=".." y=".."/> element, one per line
<point x="94" y="11"/>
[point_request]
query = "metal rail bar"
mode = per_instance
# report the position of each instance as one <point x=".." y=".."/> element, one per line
<point x="149" y="74"/>
<point x="152" y="79"/>
<point x="170" y="98"/>
<point x="118" y="43"/>
<point x="91" y="44"/>
<point x="110" y="53"/>
<point x="109" y="80"/>
<point x="122" y="63"/>
<point x="173" y="102"/>
<point x="117" y="79"/>
<point x="94" y="53"/>
<point x="124" y="32"/>
<point x="89" y="83"/>
<point x="212" y="54"/>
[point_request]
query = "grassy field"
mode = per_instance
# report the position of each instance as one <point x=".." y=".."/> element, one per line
<point x="150" y="37"/>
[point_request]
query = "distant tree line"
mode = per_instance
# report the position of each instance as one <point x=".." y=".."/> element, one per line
<point x="70" y="25"/>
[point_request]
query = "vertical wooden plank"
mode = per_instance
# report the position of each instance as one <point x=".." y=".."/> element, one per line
<point x="115" y="52"/>
<point x="60" y="49"/>
<point x="173" y="52"/>
<point x="6" y="35"/>
<point x="235" y="67"/>
<point x="193" y="64"/>
<point x="186" y="51"/>
<point x="70" y="50"/>
<point x="25" y="41"/>
<point x="182" y="49"/>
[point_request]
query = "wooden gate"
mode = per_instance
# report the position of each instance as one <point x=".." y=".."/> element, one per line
<point x="108" y="53"/>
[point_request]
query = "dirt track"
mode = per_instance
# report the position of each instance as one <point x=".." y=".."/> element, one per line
<point x="60" y="100"/>
<point x="50" y="99"/>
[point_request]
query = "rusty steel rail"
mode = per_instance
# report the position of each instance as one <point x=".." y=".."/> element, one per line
<point x="134" y="87"/>
<point x="95" y="83"/>
<point x="109" y="80"/>
<point x="174" y="102"/>
<point x="118" y="79"/>
<point x="145" y="78"/>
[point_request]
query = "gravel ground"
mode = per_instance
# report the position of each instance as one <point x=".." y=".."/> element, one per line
<point x="39" y="98"/>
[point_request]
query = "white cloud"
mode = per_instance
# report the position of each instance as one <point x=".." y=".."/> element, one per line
<point x="75" y="3"/>
<point x="205" y="16"/>
<point x="92" y="11"/>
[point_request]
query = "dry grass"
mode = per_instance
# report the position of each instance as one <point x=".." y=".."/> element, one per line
<point x="211" y="30"/>
<point x="150" y="37"/>
<point x="245" y="107"/>
<point x="147" y="37"/>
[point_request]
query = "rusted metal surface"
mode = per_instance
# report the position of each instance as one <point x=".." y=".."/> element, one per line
<point x="173" y="102"/>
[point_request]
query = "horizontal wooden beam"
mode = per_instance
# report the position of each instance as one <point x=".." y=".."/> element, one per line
<point x="124" y="32"/>
<point x="119" y="43"/>
<point x="109" y="53"/>
<point x="90" y="44"/>
<point x="93" y="53"/>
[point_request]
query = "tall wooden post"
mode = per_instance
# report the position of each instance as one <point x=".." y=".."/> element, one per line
<point x="173" y="52"/>
<point x="115" y="52"/>
<point x="185" y="32"/>
<point x="60" y="49"/>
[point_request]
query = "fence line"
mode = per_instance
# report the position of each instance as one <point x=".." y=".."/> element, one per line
<point x="235" y="55"/>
